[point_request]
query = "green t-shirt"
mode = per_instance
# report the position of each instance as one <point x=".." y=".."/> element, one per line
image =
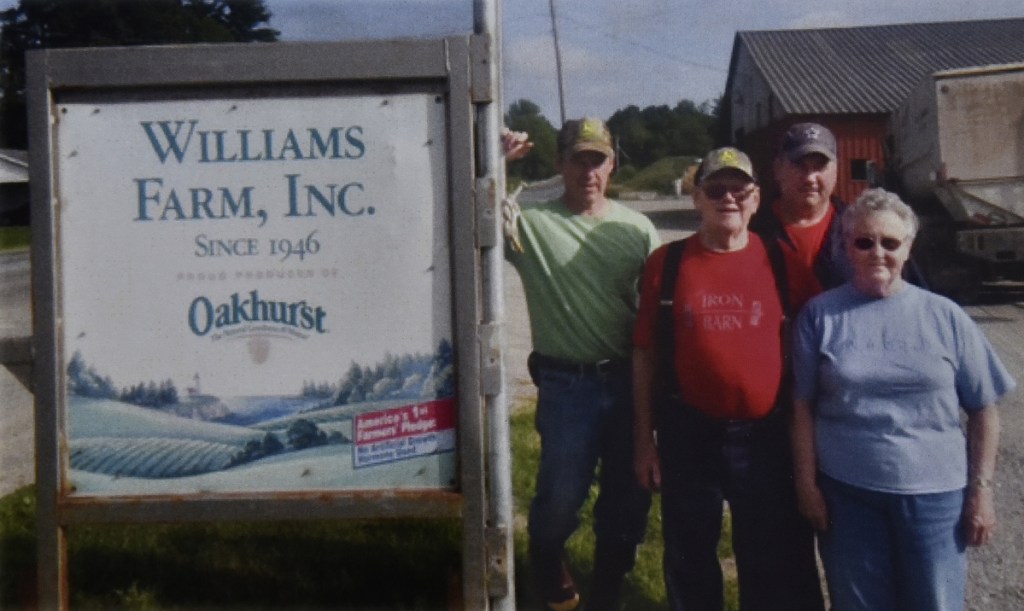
<point x="581" y="276"/>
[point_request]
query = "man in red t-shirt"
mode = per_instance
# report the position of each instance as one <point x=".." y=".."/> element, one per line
<point x="716" y="432"/>
<point x="803" y="220"/>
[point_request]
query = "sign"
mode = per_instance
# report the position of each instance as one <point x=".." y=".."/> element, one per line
<point x="248" y="260"/>
<point x="257" y="293"/>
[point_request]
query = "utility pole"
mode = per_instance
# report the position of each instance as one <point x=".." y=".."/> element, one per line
<point x="558" y="61"/>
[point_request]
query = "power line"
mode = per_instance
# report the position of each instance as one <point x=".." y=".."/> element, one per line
<point x="642" y="46"/>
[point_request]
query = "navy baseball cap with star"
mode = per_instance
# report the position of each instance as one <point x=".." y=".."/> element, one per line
<point x="805" y="138"/>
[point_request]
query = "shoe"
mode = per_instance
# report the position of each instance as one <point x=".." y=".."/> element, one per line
<point x="565" y="605"/>
<point x="560" y="595"/>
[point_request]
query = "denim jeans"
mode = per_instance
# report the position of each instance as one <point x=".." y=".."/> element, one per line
<point x="705" y="461"/>
<point x="585" y="419"/>
<point x="888" y="552"/>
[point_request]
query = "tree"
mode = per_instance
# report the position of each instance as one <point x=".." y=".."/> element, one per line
<point x="271" y="444"/>
<point x="85" y="381"/>
<point x="655" y="132"/>
<point x="349" y="384"/>
<point x="524" y="116"/>
<point x="304" y="434"/>
<point x="43" y="24"/>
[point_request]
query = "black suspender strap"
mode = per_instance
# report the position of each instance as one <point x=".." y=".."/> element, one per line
<point x="778" y="262"/>
<point x="665" y="337"/>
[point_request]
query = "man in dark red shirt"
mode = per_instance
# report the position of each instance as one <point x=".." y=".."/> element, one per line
<point x="804" y="219"/>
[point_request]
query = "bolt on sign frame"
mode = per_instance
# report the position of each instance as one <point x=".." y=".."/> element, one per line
<point x="257" y="288"/>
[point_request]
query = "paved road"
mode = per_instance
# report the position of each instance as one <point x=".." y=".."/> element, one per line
<point x="996" y="571"/>
<point x="15" y="313"/>
<point x="16" y="420"/>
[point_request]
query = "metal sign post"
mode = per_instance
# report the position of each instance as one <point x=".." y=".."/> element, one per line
<point x="491" y="181"/>
<point x="257" y="287"/>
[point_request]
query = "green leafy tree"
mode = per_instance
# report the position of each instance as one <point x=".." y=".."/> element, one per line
<point x="42" y="24"/>
<point x="525" y="116"/>
<point x="631" y="134"/>
<point x="655" y="132"/>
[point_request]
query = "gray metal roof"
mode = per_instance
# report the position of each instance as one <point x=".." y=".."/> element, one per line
<point x="872" y="69"/>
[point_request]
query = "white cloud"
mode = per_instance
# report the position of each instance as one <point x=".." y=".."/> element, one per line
<point x="358" y="19"/>
<point x="821" y="19"/>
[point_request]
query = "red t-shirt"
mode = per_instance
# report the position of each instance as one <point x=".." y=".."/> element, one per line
<point x="728" y="326"/>
<point x="807" y="243"/>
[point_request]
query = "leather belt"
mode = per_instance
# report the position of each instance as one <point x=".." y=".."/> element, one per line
<point x="605" y="366"/>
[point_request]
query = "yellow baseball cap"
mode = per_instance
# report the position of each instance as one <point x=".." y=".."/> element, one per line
<point x="725" y="158"/>
<point x="586" y="134"/>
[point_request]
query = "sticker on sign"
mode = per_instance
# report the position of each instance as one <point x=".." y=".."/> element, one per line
<point x="404" y="432"/>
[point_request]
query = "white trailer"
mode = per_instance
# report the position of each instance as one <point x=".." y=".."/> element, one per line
<point x="956" y="152"/>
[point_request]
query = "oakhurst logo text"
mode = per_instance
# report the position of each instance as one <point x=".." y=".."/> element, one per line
<point x="204" y="316"/>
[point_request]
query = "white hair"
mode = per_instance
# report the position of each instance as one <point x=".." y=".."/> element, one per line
<point x="877" y="201"/>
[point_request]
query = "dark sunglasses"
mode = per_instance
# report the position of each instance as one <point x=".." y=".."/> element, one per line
<point x="718" y="191"/>
<point x="889" y="244"/>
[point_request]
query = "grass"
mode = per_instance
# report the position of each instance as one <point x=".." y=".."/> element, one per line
<point x="398" y="564"/>
<point x="405" y="564"/>
<point x="14" y="238"/>
<point x="646" y="587"/>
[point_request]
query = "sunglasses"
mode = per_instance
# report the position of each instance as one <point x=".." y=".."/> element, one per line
<point x="889" y="244"/>
<point x="718" y="191"/>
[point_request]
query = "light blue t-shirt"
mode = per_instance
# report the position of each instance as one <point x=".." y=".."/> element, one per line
<point x="887" y="379"/>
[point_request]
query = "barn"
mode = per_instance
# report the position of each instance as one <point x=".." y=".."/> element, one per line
<point x="850" y="80"/>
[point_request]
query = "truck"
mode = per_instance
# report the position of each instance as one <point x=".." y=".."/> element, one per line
<point x="955" y="153"/>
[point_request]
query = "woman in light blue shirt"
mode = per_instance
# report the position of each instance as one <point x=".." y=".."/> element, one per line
<point x="884" y="471"/>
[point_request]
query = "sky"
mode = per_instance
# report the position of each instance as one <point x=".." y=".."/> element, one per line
<point x="614" y="52"/>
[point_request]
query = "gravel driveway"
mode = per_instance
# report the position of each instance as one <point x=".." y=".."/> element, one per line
<point x="996" y="578"/>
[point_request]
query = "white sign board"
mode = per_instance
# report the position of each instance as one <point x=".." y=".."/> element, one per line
<point x="256" y="294"/>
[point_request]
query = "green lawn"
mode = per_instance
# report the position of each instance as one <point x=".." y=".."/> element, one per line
<point x="401" y="564"/>
<point x="13" y="238"/>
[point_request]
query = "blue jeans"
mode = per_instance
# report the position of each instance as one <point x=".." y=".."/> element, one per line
<point x="586" y="419"/>
<point x="888" y="552"/>
<point x="705" y="461"/>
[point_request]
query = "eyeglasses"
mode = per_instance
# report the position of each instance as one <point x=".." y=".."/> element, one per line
<point x="718" y="191"/>
<point x="889" y="244"/>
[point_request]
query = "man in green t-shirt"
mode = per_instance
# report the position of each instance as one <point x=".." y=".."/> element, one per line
<point x="580" y="258"/>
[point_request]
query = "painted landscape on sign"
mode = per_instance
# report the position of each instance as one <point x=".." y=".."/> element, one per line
<point x="385" y="426"/>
